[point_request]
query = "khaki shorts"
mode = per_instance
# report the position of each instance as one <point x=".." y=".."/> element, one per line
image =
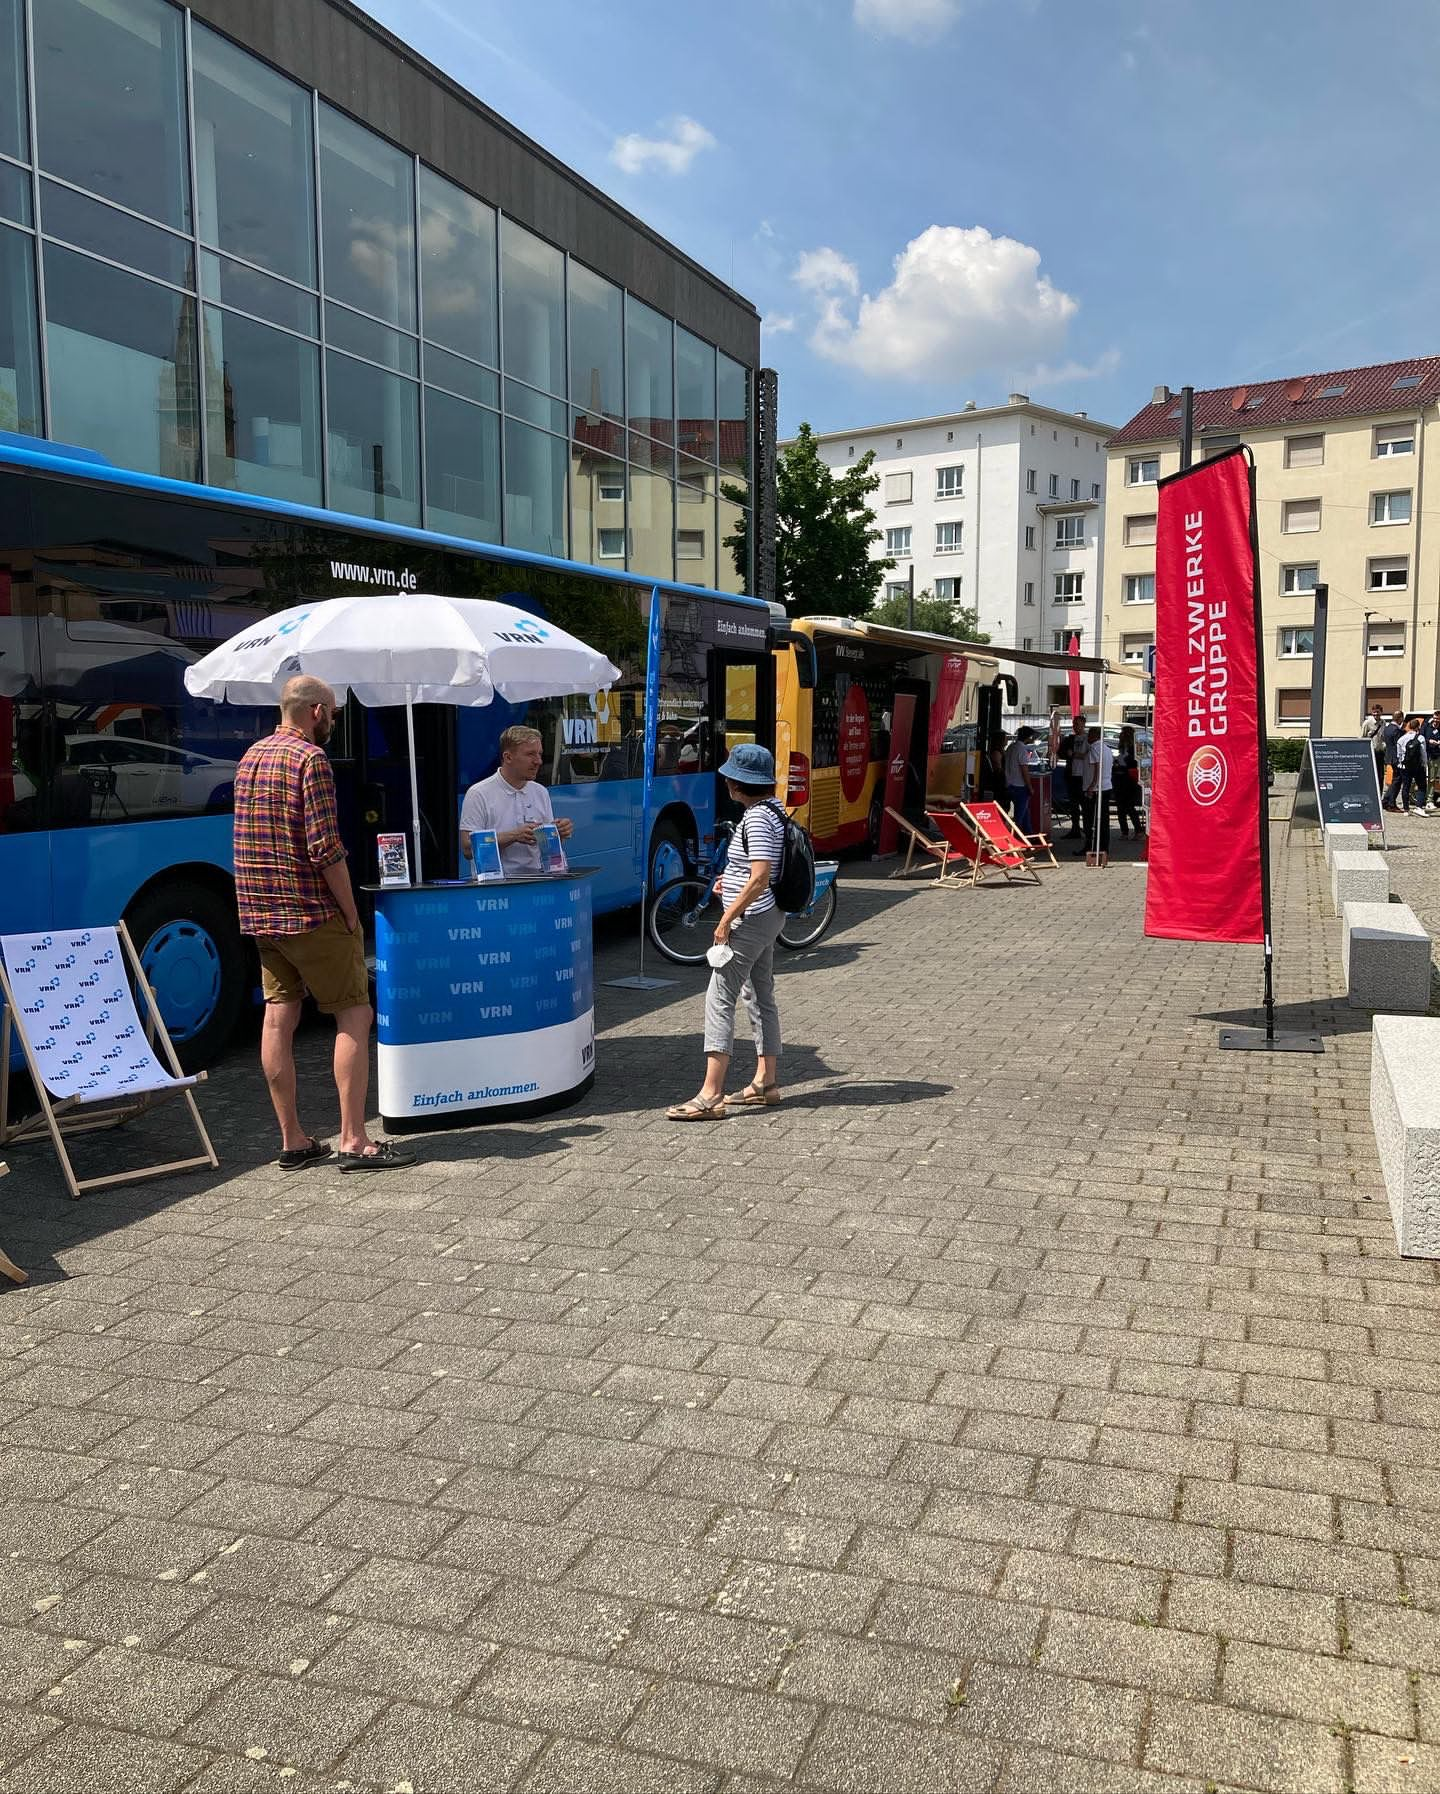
<point x="328" y="961"/>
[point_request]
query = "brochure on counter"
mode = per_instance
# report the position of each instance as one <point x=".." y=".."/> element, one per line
<point x="485" y="846"/>
<point x="552" y="849"/>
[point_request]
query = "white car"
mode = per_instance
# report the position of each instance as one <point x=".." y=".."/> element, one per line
<point x="131" y="777"/>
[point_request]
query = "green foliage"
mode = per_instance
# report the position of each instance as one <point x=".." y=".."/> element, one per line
<point x="940" y="616"/>
<point x="1286" y="752"/>
<point x="824" y="532"/>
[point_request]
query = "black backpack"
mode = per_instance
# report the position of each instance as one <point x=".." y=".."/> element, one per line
<point x="793" y="882"/>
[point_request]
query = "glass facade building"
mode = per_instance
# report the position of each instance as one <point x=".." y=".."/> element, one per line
<point x="211" y="272"/>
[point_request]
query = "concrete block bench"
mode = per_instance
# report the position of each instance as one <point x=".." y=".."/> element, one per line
<point x="1345" y="837"/>
<point x="1359" y="878"/>
<point x="1387" y="957"/>
<point x="1404" y="1064"/>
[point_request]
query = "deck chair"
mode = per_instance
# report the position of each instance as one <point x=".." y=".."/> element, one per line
<point x="69" y="999"/>
<point x="917" y="841"/>
<point x="1004" y="825"/>
<point x="971" y="839"/>
<point x="8" y="1267"/>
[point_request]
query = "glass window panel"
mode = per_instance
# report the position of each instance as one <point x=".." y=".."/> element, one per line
<point x="89" y="225"/>
<point x="375" y="342"/>
<point x="14" y="137"/>
<point x="369" y="234"/>
<point x="373" y="432"/>
<point x="461" y="376"/>
<point x="110" y="95"/>
<point x="532" y="283"/>
<point x="457" y="268"/>
<point x="598" y="435"/>
<point x="652" y="525"/>
<point x="694" y="395"/>
<point x="694" y="536"/>
<point x="598" y="488"/>
<point x="249" y="290"/>
<point x="733" y="382"/>
<point x="657" y="457"/>
<point x="696" y="476"/>
<point x="534" y="407"/>
<point x="462" y="468"/>
<point x="648" y="370"/>
<point x="732" y="526"/>
<point x="123" y="372"/>
<point x="597" y="339"/>
<point x="534" y="489"/>
<point x="14" y="193"/>
<point x="262" y="406"/>
<point x="254" y="155"/>
<point x="19" y="342"/>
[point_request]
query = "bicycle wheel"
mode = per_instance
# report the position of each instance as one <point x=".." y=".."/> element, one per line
<point x="806" y="928"/>
<point x="682" y="919"/>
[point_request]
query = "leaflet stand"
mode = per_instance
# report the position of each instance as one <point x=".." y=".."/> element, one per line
<point x="69" y="1000"/>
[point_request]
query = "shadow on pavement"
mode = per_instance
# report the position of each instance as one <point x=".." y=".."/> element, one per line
<point x="1330" y="1020"/>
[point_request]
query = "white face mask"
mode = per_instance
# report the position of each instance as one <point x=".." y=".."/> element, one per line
<point x="720" y="955"/>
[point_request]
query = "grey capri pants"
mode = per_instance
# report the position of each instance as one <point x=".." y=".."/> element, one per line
<point x="751" y="975"/>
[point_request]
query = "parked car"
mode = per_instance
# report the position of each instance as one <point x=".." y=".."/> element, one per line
<point x="129" y="776"/>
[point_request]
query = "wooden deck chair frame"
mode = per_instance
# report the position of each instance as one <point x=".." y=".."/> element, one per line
<point x="71" y="1115"/>
<point x="941" y="852"/>
<point x="1033" y="844"/>
<point x="8" y="1267"/>
<point x="988" y="854"/>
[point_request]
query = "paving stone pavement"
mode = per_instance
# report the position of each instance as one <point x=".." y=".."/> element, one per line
<point x="1033" y="1401"/>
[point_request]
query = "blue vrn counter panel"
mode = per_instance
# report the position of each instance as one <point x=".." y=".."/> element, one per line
<point x="485" y="999"/>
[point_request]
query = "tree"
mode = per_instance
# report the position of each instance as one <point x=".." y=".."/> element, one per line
<point x="940" y="616"/>
<point x="825" y="530"/>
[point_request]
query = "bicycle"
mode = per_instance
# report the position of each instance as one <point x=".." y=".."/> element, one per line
<point x="682" y="914"/>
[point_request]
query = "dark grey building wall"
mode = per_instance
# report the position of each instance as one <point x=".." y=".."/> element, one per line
<point x="354" y="62"/>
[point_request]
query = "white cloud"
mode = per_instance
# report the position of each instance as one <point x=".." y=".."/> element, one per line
<point x="1066" y="373"/>
<point x="826" y="271"/>
<point x="674" y="152"/>
<point x="962" y="302"/>
<point x="778" y="322"/>
<point x="921" y="21"/>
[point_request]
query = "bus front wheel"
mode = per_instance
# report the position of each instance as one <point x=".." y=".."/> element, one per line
<point x="189" y="943"/>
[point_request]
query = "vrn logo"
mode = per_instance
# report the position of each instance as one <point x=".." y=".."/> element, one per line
<point x="526" y="633"/>
<point x="292" y="625"/>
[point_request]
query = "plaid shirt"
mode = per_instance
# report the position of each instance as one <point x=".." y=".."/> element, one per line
<point x="286" y="831"/>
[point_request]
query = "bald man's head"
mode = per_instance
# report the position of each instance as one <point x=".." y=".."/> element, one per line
<point x="307" y="703"/>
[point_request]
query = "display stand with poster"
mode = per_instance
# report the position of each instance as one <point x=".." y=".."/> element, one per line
<point x="1339" y="782"/>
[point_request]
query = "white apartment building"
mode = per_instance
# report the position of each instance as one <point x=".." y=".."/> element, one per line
<point x="999" y="507"/>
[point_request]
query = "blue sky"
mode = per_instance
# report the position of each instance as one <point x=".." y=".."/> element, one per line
<point x="937" y="200"/>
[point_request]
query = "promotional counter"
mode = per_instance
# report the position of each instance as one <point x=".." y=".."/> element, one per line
<point x="484" y="998"/>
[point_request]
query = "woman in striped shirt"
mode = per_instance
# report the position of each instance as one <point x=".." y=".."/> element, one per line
<point x="749" y="926"/>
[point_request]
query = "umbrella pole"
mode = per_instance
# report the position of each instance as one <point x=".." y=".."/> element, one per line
<point x="414" y="788"/>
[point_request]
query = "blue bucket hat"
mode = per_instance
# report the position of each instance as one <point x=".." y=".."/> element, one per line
<point x="750" y="764"/>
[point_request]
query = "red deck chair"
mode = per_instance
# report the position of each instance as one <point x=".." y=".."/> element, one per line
<point x="971" y="836"/>
<point x="917" y="841"/>
<point x="1003" y="824"/>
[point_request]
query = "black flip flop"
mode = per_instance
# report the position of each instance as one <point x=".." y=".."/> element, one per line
<point x="298" y="1157"/>
<point x="386" y="1157"/>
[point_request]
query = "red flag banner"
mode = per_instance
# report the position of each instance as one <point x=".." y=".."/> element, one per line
<point x="1204" y="882"/>
<point x="1074" y="678"/>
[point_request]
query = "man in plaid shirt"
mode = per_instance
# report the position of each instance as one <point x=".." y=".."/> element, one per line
<point x="295" y="898"/>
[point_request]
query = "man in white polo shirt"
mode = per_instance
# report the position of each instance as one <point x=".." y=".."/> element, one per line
<point x="513" y="802"/>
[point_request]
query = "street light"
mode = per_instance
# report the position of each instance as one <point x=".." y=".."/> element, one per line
<point x="1365" y="668"/>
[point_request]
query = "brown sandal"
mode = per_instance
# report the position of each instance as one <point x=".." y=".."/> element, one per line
<point x="756" y="1096"/>
<point x="699" y="1108"/>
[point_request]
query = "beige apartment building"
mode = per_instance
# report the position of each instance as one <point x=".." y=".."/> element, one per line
<point x="1340" y="463"/>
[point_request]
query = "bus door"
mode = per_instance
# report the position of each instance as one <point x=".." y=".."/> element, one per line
<point x="742" y="703"/>
<point x="371" y="758"/>
<point x="906" y="775"/>
<point x="990" y="700"/>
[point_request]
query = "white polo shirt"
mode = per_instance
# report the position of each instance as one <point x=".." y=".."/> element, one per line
<point x="496" y="803"/>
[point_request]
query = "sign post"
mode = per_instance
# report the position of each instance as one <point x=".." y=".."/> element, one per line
<point x="1209" y="834"/>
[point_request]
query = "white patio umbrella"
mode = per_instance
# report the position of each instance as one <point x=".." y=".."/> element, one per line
<point x="404" y="648"/>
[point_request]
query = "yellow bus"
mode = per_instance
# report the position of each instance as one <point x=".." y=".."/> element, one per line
<point x="867" y="716"/>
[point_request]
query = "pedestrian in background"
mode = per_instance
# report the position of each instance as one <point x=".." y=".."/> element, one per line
<point x="1020" y="777"/>
<point x="1410" y="773"/>
<point x="1099" y="778"/>
<point x="1390" y="736"/>
<point x="293" y="888"/>
<point x="1127" y="784"/>
<point x="745" y="935"/>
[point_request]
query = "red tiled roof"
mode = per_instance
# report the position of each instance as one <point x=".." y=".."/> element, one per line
<point x="1306" y="399"/>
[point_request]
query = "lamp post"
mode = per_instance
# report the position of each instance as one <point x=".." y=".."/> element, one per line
<point x="1365" y="668"/>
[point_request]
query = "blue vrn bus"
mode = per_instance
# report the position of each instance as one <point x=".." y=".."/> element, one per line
<point x="116" y="796"/>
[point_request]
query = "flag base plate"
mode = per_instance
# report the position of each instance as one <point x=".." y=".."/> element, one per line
<point x="1255" y="1040"/>
<point x="639" y="981"/>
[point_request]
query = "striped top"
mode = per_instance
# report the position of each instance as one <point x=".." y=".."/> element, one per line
<point x="760" y="836"/>
<point x="286" y="832"/>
